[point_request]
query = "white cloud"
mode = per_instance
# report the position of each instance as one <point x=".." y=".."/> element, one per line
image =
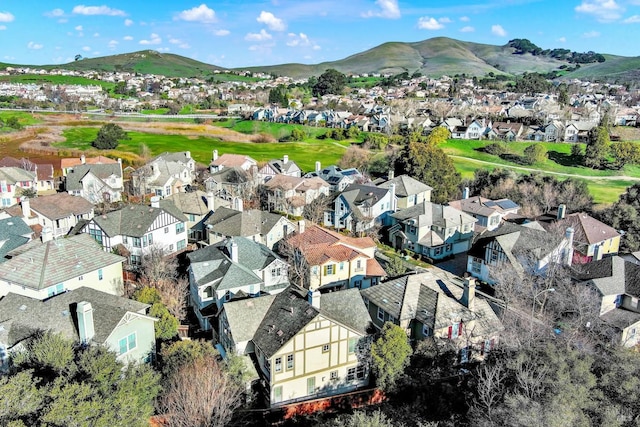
<point x="445" y="20"/>
<point x="86" y="48"/>
<point x="127" y="38"/>
<point x="632" y="19"/>
<point x="258" y="37"/>
<point x="591" y="34"/>
<point x="112" y="44"/>
<point x="562" y="40"/>
<point x="467" y="29"/>
<point x="388" y="9"/>
<point x="181" y="44"/>
<point x="221" y="32"/>
<point x="6" y="17"/>
<point x="301" y="40"/>
<point x="465" y="19"/>
<point x="35" y="46"/>
<point x="96" y="34"/>
<point x="602" y="10"/>
<point x="497" y="30"/>
<point x="273" y="23"/>
<point x="128" y="22"/>
<point x="153" y="39"/>
<point x="427" y="23"/>
<point x="55" y="13"/>
<point x="97" y="10"/>
<point x="201" y="13"/>
<point x="163" y="49"/>
<point x="78" y="28"/>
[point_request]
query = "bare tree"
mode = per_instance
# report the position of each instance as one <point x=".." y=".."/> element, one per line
<point x="161" y="272"/>
<point x="200" y="394"/>
<point x="490" y="388"/>
<point x="299" y="269"/>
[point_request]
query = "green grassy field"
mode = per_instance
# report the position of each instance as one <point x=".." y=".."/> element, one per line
<point x="305" y="154"/>
<point x="277" y="130"/>
<point x="24" y="118"/>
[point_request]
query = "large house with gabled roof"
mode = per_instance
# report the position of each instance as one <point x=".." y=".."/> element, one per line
<point x="233" y="268"/>
<point x="407" y="190"/>
<point x="305" y="345"/>
<point x="360" y="207"/>
<point x="135" y="229"/>
<point x="97" y="183"/>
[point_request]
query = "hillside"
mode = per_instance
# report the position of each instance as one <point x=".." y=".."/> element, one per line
<point x="145" y="62"/>
<point x="432" y="57"/>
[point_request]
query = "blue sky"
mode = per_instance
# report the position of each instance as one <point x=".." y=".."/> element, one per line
<point x="243" y="33"/>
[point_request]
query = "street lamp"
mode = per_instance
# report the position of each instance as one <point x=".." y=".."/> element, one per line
<point x="533" y="306"/>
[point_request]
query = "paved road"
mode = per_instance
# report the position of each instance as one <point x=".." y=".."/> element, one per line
<point x="568" y="175"/>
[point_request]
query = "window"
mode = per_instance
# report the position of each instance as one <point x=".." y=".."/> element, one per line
<point x="150" y="238"/>
<point x="136" y="260"/>
<point x="392" y="319"/>
<point x="341" y="266"/>
<point x="127" y="343"/>
<point x="351" y="374"/>
<point x="167" y="190"/>
<point x="80" y="277"/>
<point x="179" y="227"/>
<point x="137" y="243"/>
<point x="325" y="348"/>
<point x="275" y="272"/>
<point x="455" y="330"/>
<point x="311" y="385"/>
<point x="125" y="240"/>
<point x="55" y="290"/>
<point x="366" y="301"/>
<point x="181" y="244"/>
<point x="334" y="375"/>
<point x="380" y="314"/>
<point x="278" y="364"/>
<point x="208" y="292"/>
<point x="448" y="247"/>
<point x="96" y="234"/>
<point x="329" y="269"/>
<point x="192" y="217"/>
<point x="359" y="265"/>
<point x="411" y="229"/>
<point x="464" y="355"/>
<point x="352" y="344"/>
<point x="277" y="394"/>
<point x="289" y="361"/>
<point x="166" y="230"/>
<point x="427" y="331"/>
<point x="358" y="284"/>
<point x="438" y="250"/>
<point x="100" y="276"/>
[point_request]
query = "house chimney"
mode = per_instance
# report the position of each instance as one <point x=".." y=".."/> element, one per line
<point x="392" y="197"/>
<point x="318" y="166"/>
<point x="120" y="161"/>
<point x="215" y="155"/>
<point x="233" y="251"/>
<point x="86" y="329"/>
<point x="83" y="159"/>
<point x="187" y="154"/>
<point x="238" y="204"/>
<point x="465" y="193"/>
<point x="562" y="211"/>
<point x="469" y="293"/>
<point x="155" y="202"/>
<point x="390" y="174"/>
<point x="285" y="159"/>
<point x="301" y="226"/>
<point x="46" y="235"/>
<point x="26" y="207"/>
<point x="313" y="297"/>
<point x="568" y="250"/>
<point x="210" y="202"/>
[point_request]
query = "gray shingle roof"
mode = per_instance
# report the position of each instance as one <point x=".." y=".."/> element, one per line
<point x="347" y="308"/>
<point x="14" y="232"/>
<point x="245" y="316"/>
<point x="428" y="213"/>
<point x="406" y="185"/>
<point x="194" y="202"/>
<point x="101" y="170"/>
<point x="611" y="276"/>
<point x="23" y="316"/>
<point x="228" y="222"/>
<point x="46" y="264"/>
<point x="60" y="205"/>
<point x="12" y="175"/>
<point x="132" y="220"/>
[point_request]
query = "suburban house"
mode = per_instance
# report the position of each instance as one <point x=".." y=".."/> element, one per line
<point x="578" y="131"/>
<point x="305" y="345"/>
<point x="136" y="229"/>
<point x="360" y="207"/>
<point x="12" y="181"/>
<point x="84" y="315"/>
<point x="408" y="191"/>
<point x="45" y="182"/>
<point x="488" y="213"/>
<point x="617" y="281"/>
<point x="165" y="175"/>
<point x="433" y="230"/>
<point x="231" y="182"/>
<point x="282" y="166"/>
<point x="218" y="163"/>
<point x="593" y="240"/>
<point x="439" y="306"/>
<point x="41" y="269"/>
<point x="59" y="212"/>
<point x="196" y="206"/>
<point x="554" y="131"/>
<point x="527" y="247"/>
<point x="14" y="232"/>
<point x="328" y="260"/>
<point x="68" y="163"/>
<point x="337" y="178"/>
<point x="507" y="131"/>
<point x="97" y="183"/>
<point x="233" y="268"/>
<point x="475" y="130"/>
<point x="291" y="194"/>
<point x="263" y="227"/>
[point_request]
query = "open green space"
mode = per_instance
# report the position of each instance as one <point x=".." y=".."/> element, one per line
<point x="305" y="154"/>
<point x="54" y="79"/>
<point x="276" y="130"/>
<point x="24" y="118"/>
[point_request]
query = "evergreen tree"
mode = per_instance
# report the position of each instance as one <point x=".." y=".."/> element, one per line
<point x="390" y="355"/>
<point x="595" y="154"/>
<point x="108" y="137"/>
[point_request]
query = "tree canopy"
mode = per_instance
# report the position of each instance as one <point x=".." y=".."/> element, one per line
<point x="595" y="153"/>
<point x="108" y="137"/>
<point x="390" y="355"/>
<point x="329" y="82"/>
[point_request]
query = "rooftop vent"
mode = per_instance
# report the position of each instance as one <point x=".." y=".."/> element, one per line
<point x="23" y="307"/>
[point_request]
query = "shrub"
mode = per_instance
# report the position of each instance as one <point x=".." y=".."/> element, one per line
<point x="497" y="149"/>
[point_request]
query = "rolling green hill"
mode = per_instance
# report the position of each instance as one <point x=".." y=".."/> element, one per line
<point x="433" y="57"/>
